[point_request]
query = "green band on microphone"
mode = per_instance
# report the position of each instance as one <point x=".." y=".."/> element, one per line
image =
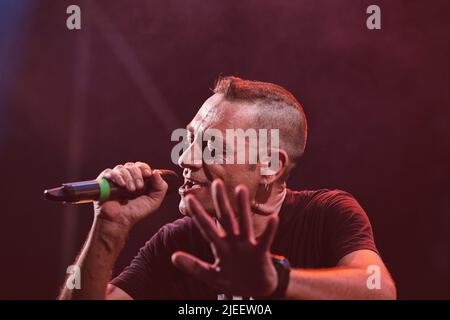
<point x="105" y="190"/>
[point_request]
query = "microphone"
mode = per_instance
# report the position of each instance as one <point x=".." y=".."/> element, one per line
<point x="103" y="190"/>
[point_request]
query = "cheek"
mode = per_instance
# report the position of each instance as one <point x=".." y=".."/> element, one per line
<point x="216" y="171"/>
<point x="234" y="175"/>
<point x="243" y="175"/>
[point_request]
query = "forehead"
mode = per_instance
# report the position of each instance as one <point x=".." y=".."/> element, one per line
<point x="216" y="112"/>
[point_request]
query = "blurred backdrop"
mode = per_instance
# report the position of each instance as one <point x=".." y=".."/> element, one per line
<point x="75" y="102"/>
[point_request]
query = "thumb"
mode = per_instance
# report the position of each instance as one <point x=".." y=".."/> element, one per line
<point x="158" y="183"/>
<point x="194" y="266"/>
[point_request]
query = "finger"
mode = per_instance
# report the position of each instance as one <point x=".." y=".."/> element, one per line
<point x="103" y="173"/>
<point x="115" y="177"/>
<point x="136" y="174"/>
<point x="266" y="239"/>
<point x="157" y="182"/>
<point x="146" y="170"/>
<point x="243" y="204"/>
<point x="126" y="175"/>
<point x="195" y="267"/>
<point x="223" y="208"/>
<point x="204" y="222"/>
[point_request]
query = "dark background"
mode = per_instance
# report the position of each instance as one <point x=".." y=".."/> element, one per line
<point x="75" y="102"/>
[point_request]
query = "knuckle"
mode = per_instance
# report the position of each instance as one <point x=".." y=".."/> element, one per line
<point x="104" y="173"/>
<point x="118" y="169"/>
<point x="115" y="175"/>
<point x="126" y="172"/>
<point x="143" y="165"/>
<point x="135" y="172"/>
<point x="129" y="166"/>
<point x="123" y="173"/>
<point x="113" y="172"/>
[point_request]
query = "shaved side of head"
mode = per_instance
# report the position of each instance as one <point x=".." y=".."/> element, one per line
<point x="276" y="108"/>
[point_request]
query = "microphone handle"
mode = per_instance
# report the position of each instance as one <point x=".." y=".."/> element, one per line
<point x="103" y="190"/>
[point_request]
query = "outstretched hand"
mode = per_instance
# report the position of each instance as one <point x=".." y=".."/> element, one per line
<point x="243" y="264"/>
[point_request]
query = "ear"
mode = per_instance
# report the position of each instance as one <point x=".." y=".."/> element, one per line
<point x="274" y="167"/>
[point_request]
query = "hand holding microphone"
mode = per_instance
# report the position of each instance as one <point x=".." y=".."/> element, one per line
<point x="127" y="193"/>
<point x="131" y="176"/>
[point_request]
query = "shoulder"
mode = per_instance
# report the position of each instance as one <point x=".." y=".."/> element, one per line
<point x="178" y="233"/>
<point x="180" y="229"/>
<point x="340" y="223"/>
<point x="319" y="194"/>
<point x="324" y="202"/>
<point x="181" y="225"/>
<point x="320" y="197"/>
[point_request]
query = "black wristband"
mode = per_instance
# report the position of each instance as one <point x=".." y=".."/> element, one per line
<point x="283" y="269"/>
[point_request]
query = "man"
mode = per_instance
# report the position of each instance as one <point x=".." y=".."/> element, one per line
<point x="245" y="234"/>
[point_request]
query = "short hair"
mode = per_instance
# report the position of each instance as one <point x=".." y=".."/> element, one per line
<point x="277" y="109"/>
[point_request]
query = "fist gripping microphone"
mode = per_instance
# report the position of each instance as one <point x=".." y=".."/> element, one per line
<point x="103" y="189"/>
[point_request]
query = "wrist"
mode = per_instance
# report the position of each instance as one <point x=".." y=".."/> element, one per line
<point x="111" y="234"/>
<point x="283" y="270"/>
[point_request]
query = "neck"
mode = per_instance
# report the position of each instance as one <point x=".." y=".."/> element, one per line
<point x="261" y="212"/>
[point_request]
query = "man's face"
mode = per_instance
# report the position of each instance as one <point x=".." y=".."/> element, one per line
<point x="216" y="113"/>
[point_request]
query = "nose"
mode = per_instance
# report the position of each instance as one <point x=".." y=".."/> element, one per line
<point x="191" y="158"/>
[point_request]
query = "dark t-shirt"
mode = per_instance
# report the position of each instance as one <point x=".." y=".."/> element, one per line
<point x="316" y="229"/>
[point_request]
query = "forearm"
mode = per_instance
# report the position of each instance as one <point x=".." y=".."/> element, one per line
<point x="96" y="260"/>
<point x="336" y="283"/>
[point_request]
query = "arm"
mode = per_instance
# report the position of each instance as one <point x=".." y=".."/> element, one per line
<point x="348" y="280"/>
<point x="112" y="223"/>
<point x="96" y="262"/>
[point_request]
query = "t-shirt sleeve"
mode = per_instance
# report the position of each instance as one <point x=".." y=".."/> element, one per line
<point x="348" y="228"/>
<point x="150" y="273"/>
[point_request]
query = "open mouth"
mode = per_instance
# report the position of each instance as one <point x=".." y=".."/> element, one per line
<point x="190" y="186"/>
